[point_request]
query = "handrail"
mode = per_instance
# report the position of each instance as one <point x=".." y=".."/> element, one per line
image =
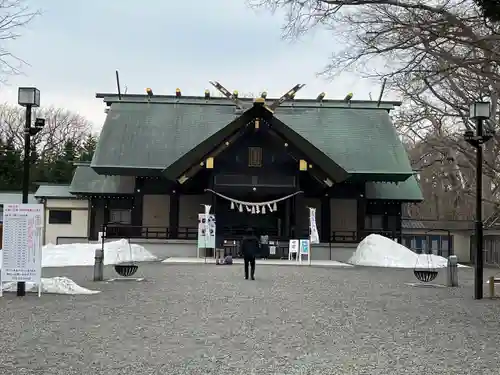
<point x="230" y="232"/>
<point x="150" y="232"/>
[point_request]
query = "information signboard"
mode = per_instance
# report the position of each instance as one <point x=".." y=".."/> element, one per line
<point x="305" y="249"/>
<point x="22" y="243"/>
<point x="206" y="231"/>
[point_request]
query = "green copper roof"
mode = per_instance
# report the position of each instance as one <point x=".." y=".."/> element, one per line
<point x="408" y="190"/>
<point x="359" y="140"/>
<point x="138" y="135"/>
<point x="87" y="181"/>
<point x="53" y="191"/>
<point x="153" y="136"/>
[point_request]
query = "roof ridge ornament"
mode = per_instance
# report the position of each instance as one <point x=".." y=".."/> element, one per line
<point x="289" y="95"/>
<point x="227" y="94"/>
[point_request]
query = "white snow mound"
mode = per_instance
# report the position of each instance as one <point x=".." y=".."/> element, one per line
<point x="82" y="254"/>
<point x="54" y="285"/>
<point x="379" y="251"/>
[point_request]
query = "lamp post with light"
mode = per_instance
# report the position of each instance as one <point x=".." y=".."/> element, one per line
<point x="479" y="111"/>
<point x="28" y="97"/>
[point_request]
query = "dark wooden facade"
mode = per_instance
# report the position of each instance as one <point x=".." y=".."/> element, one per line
<point x="259" y="165"/>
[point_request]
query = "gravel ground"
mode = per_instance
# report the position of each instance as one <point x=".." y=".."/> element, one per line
<point x="197" y="319"/>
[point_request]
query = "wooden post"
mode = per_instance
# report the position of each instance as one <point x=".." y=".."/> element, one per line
<point x="326" y="231"/>
<point x="137" y="207"/>
<point x="174" y="215"/>
<point x="492" y="286"/>
<point x="361" y="213"/>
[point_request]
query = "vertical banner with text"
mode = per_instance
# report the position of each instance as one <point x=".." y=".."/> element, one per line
<point x="313" y="229"/>
<point x="206" y="229"/>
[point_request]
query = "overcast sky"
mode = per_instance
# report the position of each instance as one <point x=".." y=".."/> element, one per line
<point x="75" y="47"/>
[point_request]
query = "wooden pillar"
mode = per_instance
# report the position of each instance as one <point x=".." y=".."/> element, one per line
<point x="137" y="207"/>
<point x="301" y="217"/>
<point x="361" y="214"/>
<point x="325" y="220"/>
<point x="105" y="212"/>
<point x="399" y="223"/>
<point x="174" y="215"/>
<point x="294" y="210"/>
<point x="385" y="220"/>
<point x="293" y="217"/>
<point x="286" y="230"/>
<point x="92" y="232"/>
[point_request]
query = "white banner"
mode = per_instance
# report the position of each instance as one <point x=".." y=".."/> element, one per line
<point x="313" y="229"/>
<point x="22" y="243"/>
<point x="206" y="229"/>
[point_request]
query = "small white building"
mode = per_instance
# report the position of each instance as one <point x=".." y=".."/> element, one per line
<point x="66" y="216"/>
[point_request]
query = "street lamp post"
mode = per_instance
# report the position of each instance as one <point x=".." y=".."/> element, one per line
<point x="479" y="111"/>
<point x="28" y="97"/>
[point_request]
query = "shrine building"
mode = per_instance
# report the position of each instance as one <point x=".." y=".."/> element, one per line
<point x="258" y="162"/>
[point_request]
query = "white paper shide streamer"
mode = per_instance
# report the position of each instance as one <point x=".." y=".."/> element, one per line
<point x="313" y="229"/>
<point x="254" y="207"/>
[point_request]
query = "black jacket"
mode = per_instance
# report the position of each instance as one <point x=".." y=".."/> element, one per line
<point x="250" y="246"/>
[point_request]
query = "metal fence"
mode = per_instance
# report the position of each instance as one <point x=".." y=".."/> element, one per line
<point x="432" y="241"/>
<point x="491" y="250"/>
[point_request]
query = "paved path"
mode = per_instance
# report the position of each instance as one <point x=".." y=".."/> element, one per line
<point x="197" y="319"/>
<point x="268" y="262"/>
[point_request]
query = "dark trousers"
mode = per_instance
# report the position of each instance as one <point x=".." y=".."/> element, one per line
<point x="251" y="261"/>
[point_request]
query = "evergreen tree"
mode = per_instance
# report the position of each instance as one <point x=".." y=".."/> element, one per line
<point x="63" y="168"/>
<point x="88" y="148"/>
<point x="11" y="167"/>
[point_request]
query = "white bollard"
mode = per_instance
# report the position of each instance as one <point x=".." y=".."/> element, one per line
<point x="452" y="271"/>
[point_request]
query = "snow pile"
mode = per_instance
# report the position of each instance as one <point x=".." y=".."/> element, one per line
<point x="79" y="254"/>
<point x="54" y="285"/>
<point x="379" y="251"/>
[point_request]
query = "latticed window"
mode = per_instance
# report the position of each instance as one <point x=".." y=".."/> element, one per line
<point x="255" y="157"/>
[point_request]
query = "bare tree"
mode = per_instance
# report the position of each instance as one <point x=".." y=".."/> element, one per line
<point x="14" y="16"/>
<point x="61" y="126"/>
<point x="439" y="57"/>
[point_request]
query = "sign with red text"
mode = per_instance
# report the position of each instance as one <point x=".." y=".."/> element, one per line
<point x="22" y="243"/>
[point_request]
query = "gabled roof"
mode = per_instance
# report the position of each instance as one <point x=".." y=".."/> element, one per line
<point x="53" y="191"/>
<point x="237" y="128"/>
<point x="141" y="137"/>
<point x="192" y="155"/>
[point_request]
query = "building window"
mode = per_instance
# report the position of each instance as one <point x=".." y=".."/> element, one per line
<point x="374" y="222"/>
<point x="392" y="222"/>
<point x="255" y="157"/>
<point x="60" y="217"/>
<point x="117" y="216"/>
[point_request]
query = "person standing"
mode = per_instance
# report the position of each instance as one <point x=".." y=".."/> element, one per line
<point x="249" y="248"/>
